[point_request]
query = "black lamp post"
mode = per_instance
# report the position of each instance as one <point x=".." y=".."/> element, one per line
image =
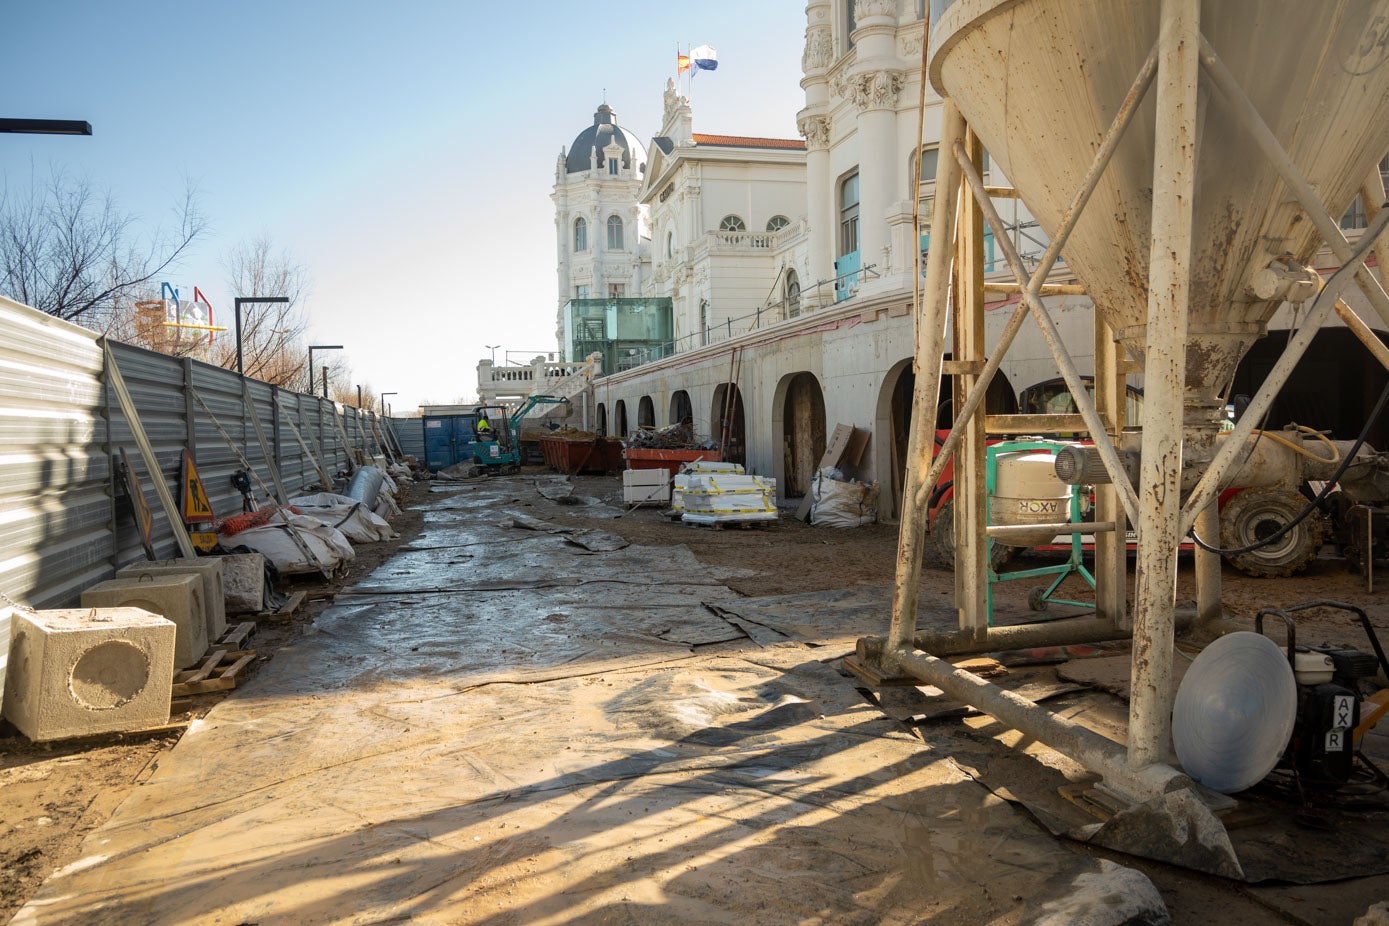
<point x="249" y="300"/>
<point x="383" y="402"/>
<point x="312" y="348"/>
<point x="45" y="127"/>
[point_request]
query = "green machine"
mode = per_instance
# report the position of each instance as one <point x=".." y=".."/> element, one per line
<point x="499" y="447"/>
<point x="1013" y="471"/>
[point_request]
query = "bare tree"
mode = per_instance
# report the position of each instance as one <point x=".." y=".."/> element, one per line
<point x="68" y="249"/>
<point x="271" y="333"/>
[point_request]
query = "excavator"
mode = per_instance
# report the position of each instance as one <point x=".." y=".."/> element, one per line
<point x="498" y="450"/>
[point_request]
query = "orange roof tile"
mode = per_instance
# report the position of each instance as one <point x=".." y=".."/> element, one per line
<point x="745" y="141"/>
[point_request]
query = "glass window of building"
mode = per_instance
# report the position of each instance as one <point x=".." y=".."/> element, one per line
<point x="615" y="233"/>
<point x="777" y="222"/>
<point x="848" y="214"/>
<point x="580" y="234"/>
<point x="732" y="223"/>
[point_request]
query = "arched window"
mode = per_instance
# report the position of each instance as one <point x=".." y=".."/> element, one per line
<point x="792" y="291"/>
<point x="615" y="233"/>
<point x="732" y="223"/>
<point x="777" y="222"/>
<point x="670" y="245"/>
<point x="580" y="234"/>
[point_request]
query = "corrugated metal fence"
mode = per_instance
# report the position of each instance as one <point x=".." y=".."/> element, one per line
<point x="65" y="522"/>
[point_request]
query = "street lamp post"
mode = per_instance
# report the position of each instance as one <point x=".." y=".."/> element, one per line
<point x="325" y="381"/>
<point x="249" y="300"/>
<point x="312" y="348"/>
<point x="45" y="126"/>
<point x="383" y="402"/>
<point x="493" y="349"/>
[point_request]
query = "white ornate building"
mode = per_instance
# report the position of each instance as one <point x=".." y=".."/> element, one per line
<point x="600" y="226"/>
<point x="777" y="381"/>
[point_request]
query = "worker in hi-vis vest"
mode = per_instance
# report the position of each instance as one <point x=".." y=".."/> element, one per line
<point x="483" y="428"/>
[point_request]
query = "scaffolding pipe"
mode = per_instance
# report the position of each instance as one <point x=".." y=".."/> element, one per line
<point x="1326" y="225"/>
<point x="1164" y="381"/>
<point x="930" y="349"/>
<point x="1235" y="441"/>
<point x="1363" y="331"/>
<point x="1025" y="636"/>
<point x="1069" y="372"/>
<point x="1097" y="753"/>
<point x="1036" y="282"/>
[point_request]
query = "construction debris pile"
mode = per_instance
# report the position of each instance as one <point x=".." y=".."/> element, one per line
<point x="674" y="437"/>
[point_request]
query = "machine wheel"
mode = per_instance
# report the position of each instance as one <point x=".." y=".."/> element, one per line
<point x="942" y="541"/>
<point x="1036" y="598"/>
<point x="1255" y="514"/>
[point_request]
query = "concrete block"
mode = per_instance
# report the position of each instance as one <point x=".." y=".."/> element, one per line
<point x="209" y="568"/>
<point x="83" y="671"/>
<point x="243" y="582"/>
<point x="176" y="598"/>
<point x="5" y="613"/>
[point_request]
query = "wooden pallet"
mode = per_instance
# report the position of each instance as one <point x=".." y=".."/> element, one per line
<point x="222" y="667"/>
<point x="287" y="610"/>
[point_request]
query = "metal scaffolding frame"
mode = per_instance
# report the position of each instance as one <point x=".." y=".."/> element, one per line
<point x="1175" y="67"/>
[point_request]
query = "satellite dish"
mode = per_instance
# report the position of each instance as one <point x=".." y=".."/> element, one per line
<point x="1234" y="712"/>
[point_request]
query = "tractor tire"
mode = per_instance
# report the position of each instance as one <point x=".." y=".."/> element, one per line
<point x="1255" y="514"/>
<point x="941" y="544"/>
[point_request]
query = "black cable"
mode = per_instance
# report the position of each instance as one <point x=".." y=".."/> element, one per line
<point x="1348" y="267"/>
<point x="1320" y="497"/>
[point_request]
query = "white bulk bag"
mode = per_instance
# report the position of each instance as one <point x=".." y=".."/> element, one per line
<point x="327" y="546"/>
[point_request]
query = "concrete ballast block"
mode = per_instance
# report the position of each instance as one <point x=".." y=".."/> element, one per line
<point x="177" y="598"/>
<point x="209" y="568"/>
<point x="243" y="579"/>
<point x="82" y="671"/>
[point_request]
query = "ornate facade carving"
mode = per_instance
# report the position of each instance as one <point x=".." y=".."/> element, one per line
<point x="673" y="102"/>
<point x="865" y="8"/>
<point x="819" y="49"/>
<point x="910" y="46"/>
<point x="875" y="89"/>
<point x="816" y="130"/>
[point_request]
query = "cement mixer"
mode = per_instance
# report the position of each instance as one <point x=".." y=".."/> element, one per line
<point x="1190" y="158"/>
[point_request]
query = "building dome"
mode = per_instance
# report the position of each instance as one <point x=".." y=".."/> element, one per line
<point x="604" y="132"/>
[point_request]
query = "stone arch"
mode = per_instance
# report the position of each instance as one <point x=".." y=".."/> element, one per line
<point x="601" y="419"/>
<point x="734" y="448"/>
<point x="681" y="409"/>
<point x="620" y="418"/>
<point x="800" y="405"/>
<point x="646" y="412"/>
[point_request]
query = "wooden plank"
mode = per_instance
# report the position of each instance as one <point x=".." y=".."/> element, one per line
<point x="235" y="636"/>
<point x="875" y="679"/>
<point x="223" y="678"/>
<point x="203" y="670"/>
<point x="288" y="609"/>
<point x="1035" y="424"/>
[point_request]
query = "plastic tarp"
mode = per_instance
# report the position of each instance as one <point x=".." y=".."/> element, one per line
<point x="327" y="546"/>
<point x="842" y="504"/>
<point x="358" y="523"/>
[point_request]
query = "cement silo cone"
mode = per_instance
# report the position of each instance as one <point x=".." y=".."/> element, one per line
<point x="1040" y="81"/>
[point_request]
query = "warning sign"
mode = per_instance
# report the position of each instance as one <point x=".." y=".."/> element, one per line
<point x="193" y="500"/>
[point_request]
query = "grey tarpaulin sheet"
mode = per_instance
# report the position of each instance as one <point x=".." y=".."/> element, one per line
<point x="843" y="615"/>
<point x="522" y="736"/>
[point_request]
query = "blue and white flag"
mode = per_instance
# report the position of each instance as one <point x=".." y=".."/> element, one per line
<point x="704" y="57"/>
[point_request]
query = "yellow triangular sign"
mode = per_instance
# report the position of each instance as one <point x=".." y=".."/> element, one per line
<point x="194" y="503"/>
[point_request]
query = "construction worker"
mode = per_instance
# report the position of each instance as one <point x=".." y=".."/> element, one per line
<point x="483" y="428"/>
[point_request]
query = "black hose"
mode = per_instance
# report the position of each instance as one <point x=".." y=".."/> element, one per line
<point x="1320" y="497"/>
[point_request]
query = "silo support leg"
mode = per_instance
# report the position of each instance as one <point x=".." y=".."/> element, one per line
<point x="1169" y="264"/>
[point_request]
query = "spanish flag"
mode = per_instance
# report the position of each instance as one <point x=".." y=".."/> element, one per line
<point x="682" y="63"/>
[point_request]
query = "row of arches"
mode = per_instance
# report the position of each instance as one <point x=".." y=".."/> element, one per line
<point x="799" y="424"/>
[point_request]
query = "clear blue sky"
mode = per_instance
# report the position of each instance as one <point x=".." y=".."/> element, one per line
<point x="403" y="152"/>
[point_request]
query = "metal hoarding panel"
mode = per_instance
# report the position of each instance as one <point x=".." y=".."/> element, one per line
<point x="55" y="476"/>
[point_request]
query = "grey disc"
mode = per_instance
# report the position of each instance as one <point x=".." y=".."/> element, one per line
<point x="1234" y="712"/>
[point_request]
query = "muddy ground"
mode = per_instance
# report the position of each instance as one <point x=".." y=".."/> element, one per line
<point x="55" y="794"/>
